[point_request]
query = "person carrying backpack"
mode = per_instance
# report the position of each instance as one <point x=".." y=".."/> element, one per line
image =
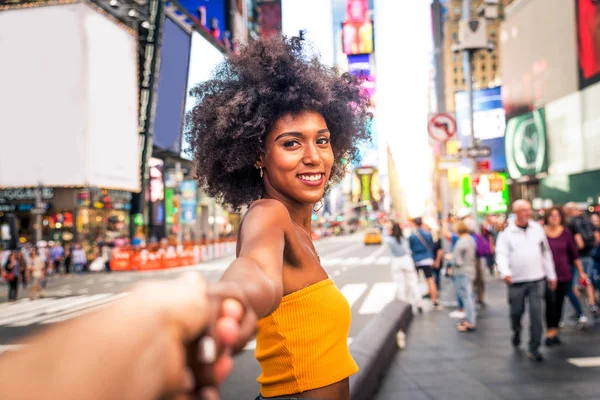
<point x="585" y="238"/>
<point x="483" y="249"/>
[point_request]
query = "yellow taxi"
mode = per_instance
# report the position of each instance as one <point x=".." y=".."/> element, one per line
<point x="372" y="236"/>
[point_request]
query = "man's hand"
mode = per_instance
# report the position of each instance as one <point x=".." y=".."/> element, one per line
<point x="552" y="285"/>
<point x="508" y="280"/>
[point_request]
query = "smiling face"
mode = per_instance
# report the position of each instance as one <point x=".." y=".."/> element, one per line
<point x="298" y="158"/>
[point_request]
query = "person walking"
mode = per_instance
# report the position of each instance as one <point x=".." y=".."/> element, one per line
<point x="11" y="273"/>
<point x="38" y="272"/>
<point x="465" y="264"/>
<point x="524" y="260"/>
<point x="403" y="267"/>
<point x="584" y="234"/>
<point x="564" y="254"/>
<point x="422" y="247"/>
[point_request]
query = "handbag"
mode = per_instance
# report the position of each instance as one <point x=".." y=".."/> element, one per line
<point x="8" y="276"/>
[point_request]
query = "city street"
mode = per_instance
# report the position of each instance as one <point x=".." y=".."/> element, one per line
<point x="361" y="272"/>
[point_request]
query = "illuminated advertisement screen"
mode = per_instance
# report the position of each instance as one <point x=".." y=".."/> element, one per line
<point x="489" y="120"/>
<point x="357" y="37"/>
<point x="269" y="17"/>
<point x="204" y="57"/>
<point x="208" y="13"/>
<point x="366" y="188"/>
<point x="492" y="193"/>
<point x="526" y="145"/>
<point x="588" y="41"/>
<point x="172" y="83"/>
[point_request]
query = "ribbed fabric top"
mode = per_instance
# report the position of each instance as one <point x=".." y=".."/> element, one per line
<point x="303" y="345"/>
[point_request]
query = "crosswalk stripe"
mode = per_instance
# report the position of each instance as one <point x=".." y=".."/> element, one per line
<point x="383" y="260"/>
<point x="379" y="296"/>
<point x="70" y="314"/>
<point x="21" y="307"/>
<point x="367" y="260"/>
<point x="353" y="291"/>
<point x="328" y="262"/>
<point x="351" y="261"/>
<point x="52" y="312"/>
<point x="585" y="362"/>
<point x="370" y="260"/>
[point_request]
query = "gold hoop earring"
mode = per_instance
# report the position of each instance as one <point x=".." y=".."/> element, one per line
<point x="320" y="203"/>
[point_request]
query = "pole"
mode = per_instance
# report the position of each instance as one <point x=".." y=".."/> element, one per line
<point x="438" y="43"/>
<point x="38" y="214"/>
<point x="468" y="72"/>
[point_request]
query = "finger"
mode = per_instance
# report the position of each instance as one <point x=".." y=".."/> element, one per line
<point x="223" y="367"/>
<point x="209" y="393"/>
<point x="228" y="331"/>
<point x="232" y="308"/>
<point x="247" y="329"/>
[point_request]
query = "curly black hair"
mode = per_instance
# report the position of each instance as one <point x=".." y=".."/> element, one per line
<point x="248" y="92"/>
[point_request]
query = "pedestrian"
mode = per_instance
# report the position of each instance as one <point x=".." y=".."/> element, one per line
<point x="438" y="261"/>
<point x="10" y="273"/>
<point x="422" y="247"/>
<point x="273" y="129"/>
<point x="78" y="259"/>
<point x="584" y="234"/>
<point x="402" y="266"/>
<point x="525" y="263"/>
<point x="483" y="249"/>
<point x="37" y="272"/>
<point x="57" y="254"/>
<point x="564" y="254"/>
<point x="451" y="236"/>
<point x="465" y="264"/>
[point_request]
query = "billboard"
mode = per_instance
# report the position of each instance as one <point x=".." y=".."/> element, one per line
<point x="357" y="28"/>
<point x="538" y="54"/>
<point x="366" y="188"/>
<point x="70" y="101"/>
<point x="588" y="41"/>
<point x="315" y="18"/>
<point x="209" y="13"/>
<point x="269" y="17"/>
<point x="492" y="193"/>
<point x="489" y="121"/>
<point x="526" y="145"/>
<point x="172" y="83"/>
<point x="564" y="126"/>
<point x="188" y="202"/>
<point x="204" y="57"/>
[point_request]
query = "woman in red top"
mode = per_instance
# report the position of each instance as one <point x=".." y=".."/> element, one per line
<point x="564" y="252"/>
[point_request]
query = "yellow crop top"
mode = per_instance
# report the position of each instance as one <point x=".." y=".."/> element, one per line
<point x="303" y="344"/>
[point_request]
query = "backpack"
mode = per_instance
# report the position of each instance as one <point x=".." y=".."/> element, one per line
<point x="586" y="229"/>
<point x="483" y="245"/>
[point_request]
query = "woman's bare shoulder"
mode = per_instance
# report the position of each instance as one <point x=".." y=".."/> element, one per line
<point x="268" y="210"/>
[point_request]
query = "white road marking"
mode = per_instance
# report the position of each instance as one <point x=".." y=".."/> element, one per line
<point x="379" y="296"/>
<point x="329" y="262"/>
<point x="585" y="362"/>
<point x="351" y="261"/>
<point x="70" y="314"/>
<point x="383" y="260"/>
<point x="353" y="291"/>
<point x="337" y="272"/>
<point x="83" y="291"/>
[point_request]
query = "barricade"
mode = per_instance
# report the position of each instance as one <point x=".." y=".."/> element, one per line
<point x="121" y="260"/>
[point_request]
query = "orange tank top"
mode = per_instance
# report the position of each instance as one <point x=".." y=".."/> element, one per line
<point x="303" y="344"/>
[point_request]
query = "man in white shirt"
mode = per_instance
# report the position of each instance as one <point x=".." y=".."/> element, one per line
<point x="525" y="263"/>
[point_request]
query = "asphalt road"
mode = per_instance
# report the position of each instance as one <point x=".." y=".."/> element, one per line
<point x="361" y="272"/>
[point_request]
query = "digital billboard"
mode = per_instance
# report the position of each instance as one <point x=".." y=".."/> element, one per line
<point x="588" y="41"/>
<point x="526" y="145"/>
<point x="209" y="13"/>
<point x="172" y="84"/>
<point x="489" y="122"/>
<point x="204" y="57"/>
<point x="492" y="193"/>
<point x="269" y="17"/>
<point x="538" y="54"/>
<point x="357" y="28"/>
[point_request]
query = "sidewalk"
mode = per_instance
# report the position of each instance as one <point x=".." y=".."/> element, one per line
<point x="439" y="363"/>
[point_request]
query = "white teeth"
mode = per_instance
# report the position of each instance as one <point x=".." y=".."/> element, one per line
<point x="310" y="177"/>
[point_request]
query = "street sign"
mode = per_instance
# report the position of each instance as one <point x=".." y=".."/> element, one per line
<point x="483" y="165"/>
<point x="441" y="127"/>
<point x="474" y="152"/>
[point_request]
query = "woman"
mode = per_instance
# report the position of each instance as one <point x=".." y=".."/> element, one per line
<point x="273" y="129"/>
<point x="37" y="273"/>
<point x="465" y="265"/>
<point x="11" y="273"/>
<point x="565" y="254"/>
<point x="403" y="268"/>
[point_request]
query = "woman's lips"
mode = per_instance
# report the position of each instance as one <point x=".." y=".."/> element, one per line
<point x="312" y="179"/>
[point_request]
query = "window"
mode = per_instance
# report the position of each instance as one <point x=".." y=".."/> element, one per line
<point x="455" y="82"/>
<point x="455" y="70"/>
<point x="454" y="36"/>
<point x="482" y="56"/>
<point x="494" y="56"/>
<point x="483" y="67"/>
<point x="494" y="67"/>
<point x="493" y="33"/>
<point x="454" y="57"/>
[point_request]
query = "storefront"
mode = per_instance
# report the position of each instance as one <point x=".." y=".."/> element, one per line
<point x="67" y="213"/>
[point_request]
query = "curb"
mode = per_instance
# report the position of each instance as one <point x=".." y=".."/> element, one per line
<point x="375" y="347"/>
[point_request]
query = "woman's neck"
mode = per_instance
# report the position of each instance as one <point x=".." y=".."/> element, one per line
<point x="300" y="213"/>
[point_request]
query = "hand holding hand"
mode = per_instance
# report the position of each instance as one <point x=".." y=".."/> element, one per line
<point x="508" y="280"/>
<point x="552" y="285"/>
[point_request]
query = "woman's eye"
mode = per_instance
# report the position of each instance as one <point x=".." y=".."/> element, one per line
<point x="323" y="141"/>
<point x="291" y="143"/>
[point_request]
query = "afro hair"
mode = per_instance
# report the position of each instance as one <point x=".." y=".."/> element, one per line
<point x="248" y="92"/>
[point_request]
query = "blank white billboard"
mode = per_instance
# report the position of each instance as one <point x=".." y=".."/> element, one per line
<point x="316" y="18"/>
<point x="69" y="99"/>
<point x="590" y="97"/>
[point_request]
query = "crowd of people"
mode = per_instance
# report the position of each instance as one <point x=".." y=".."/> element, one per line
<point x="543" y="260"/>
